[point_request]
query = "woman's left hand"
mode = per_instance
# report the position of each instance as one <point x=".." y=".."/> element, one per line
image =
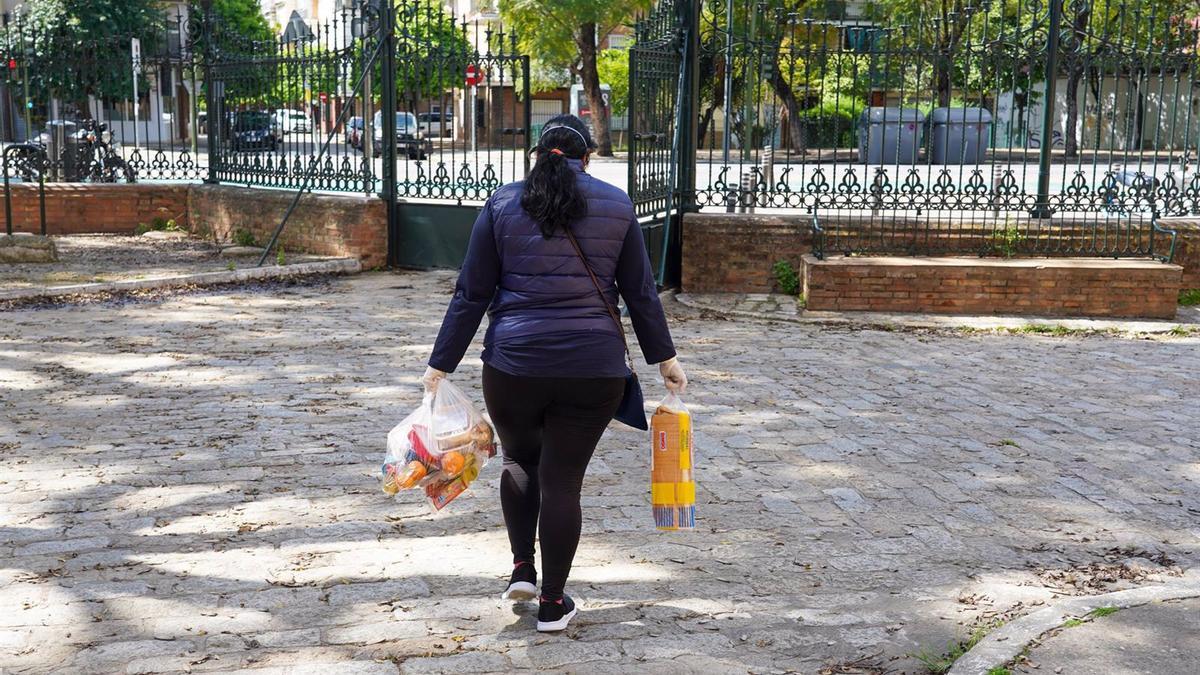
<point x="431" y="378"/>
<point x="673" y="375"/>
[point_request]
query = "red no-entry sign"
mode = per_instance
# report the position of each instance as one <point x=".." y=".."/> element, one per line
<point x="474" y="76"/>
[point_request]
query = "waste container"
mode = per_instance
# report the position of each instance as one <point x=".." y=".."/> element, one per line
<point x="889" y="135"/>
<point x="959" y="135"/>
<point x="62" y="150"/>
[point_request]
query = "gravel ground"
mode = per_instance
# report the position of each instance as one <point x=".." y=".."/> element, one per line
<point x="87" y="258"/>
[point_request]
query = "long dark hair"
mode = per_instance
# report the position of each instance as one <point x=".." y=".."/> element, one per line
<point x="551" y="196"/>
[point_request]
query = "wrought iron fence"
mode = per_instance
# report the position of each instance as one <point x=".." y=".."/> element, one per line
<point x="453" y="140"/>
<point x="274" y="103"/>
<point x="203" y="102"/>
<point x="991" y="115"/>
<point x="117" y="109"/>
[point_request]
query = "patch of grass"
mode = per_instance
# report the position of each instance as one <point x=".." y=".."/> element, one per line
<point x="1071" y="623"/>
<point x="1009" y="442"/>
<point x="999" y="670"/>
<point x="1103" y="611"/>
<point x="1179" y="331"/>
<point x="938" y="664"/>
<point x="786" y="277"/>
<point x="1042" y="329"/>
<point x="243" y="237"/>
<point x="280" y="258"/>
<point x="230" y="266"/>
<point x="1190" y="297"/>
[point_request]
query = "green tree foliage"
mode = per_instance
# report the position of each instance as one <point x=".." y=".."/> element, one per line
<point x="74" y="48"/>
<point x="613" y="66"/>
<point x="432" y="51"/>
<point x="565" y="34"/>
<point x="240" y="22"/>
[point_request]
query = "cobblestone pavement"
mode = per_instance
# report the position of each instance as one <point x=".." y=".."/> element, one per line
<point x="189" y="485"/>
<point x="88" y="258"/>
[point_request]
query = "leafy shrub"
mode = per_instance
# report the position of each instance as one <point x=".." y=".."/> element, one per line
<point x="786" y="277"/>
<point x="830" y="126"/>
<point x="243" y="237"/>
<point x="1007" y="242"/>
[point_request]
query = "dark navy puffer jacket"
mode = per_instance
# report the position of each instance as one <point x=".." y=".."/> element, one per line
<point x="546" y="318"/>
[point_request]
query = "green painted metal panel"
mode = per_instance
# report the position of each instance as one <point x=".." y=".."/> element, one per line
<point x="432" y="235"/>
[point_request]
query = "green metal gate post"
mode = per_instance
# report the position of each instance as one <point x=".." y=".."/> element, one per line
<point x="1042" y="207"/>
<point x="215" y="115"/>
<point x="689" y="141"/>
<point x="387" y="86"/>
<point x="528" y="119"/>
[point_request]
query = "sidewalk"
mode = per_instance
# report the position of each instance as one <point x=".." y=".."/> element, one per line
<point x="1155" y="639"/>
<point x="779" y="307"/>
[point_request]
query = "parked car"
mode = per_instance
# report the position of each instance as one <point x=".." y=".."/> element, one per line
<point x="435" y="124"/>
<point x="254" y="130"/>
<point x="409" y="137"/>
<point x="292" y="121"/>
<point x="354" y="132"/>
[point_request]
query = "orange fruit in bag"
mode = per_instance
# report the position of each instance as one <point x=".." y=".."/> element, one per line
<point x="453" y="463"/>
<point x="413" y="473"/>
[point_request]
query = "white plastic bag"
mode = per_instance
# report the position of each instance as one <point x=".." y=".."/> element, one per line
<point x="441" y="447"/>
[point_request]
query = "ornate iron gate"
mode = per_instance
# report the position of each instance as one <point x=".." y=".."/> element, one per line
<point x="660" y="105"/>
<point x="458" y="93"/>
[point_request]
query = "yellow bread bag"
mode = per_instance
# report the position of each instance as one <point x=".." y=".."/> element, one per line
<point x="672" y="485"/>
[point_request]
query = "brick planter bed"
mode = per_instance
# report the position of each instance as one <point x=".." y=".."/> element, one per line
<point x="1050" y="287"/>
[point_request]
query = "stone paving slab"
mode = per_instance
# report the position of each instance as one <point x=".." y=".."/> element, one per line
<point x="1156" y="639"/>
<point x="189" y="486"/>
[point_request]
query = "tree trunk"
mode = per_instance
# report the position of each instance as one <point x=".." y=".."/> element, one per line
<point x="1079" y="25"/>
<point x="1071" y="137"/>
<point x="590" y="76"/>
<point x="785" y="94"/>
<point x="942" y="81"/>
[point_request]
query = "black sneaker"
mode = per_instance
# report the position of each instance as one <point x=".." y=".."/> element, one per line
<point x="554" y="615"/>
<point x="522" y="585"/>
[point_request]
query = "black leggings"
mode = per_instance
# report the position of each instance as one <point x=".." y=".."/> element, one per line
<point x="548" y="428"/>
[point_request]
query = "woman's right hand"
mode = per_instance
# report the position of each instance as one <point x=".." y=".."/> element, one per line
<point x="431" y="378"/>
<point x="673" y="375"/>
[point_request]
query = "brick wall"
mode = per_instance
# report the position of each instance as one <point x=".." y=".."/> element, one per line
<point x="1050" y="287"/>
<point x="341" y="225"/>
<point x="96" y="208"/>
<point x="1187" y="247"/>
<point x="735" y="253"/>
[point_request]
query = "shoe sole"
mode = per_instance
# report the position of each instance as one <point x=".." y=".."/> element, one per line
<point x="555" y="626"/>
<point x="521" y="590"/>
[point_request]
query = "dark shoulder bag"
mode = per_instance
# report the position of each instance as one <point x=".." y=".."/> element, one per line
<point x="632" y="410"/>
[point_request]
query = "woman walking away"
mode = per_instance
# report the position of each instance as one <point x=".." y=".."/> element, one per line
<point x="554" y="360"/>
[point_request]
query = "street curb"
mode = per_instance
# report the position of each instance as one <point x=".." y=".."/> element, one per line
<point x="950" y="322"/>
<point x="1007" y="642"/>
<point x="337" y="266"/>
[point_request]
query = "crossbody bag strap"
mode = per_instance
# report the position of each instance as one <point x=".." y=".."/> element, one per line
<point x="612" y="312"/>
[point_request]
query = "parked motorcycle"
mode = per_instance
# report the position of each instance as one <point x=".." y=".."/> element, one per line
<point x="90" y="155"/>
<point x="99" y="160"/>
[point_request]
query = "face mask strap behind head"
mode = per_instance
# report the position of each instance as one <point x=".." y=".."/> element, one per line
<point x="573" y="130"/>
